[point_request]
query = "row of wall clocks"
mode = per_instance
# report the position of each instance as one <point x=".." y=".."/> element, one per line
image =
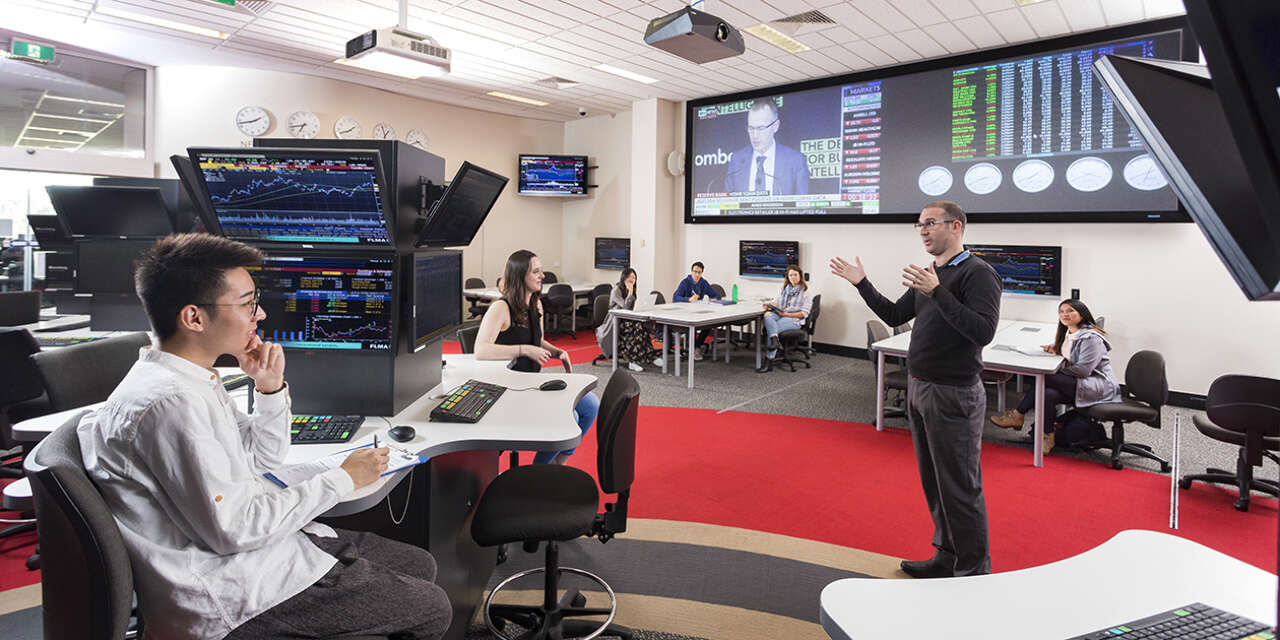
<point x="254" y="121"/>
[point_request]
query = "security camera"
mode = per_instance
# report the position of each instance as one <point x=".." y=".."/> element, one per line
<point x="582" y="111"/>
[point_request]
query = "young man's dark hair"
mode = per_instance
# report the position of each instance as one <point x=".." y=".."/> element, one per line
<point x="952" y="210"/>
<point x="183" y="269"/>
<point x="698" y="265"/>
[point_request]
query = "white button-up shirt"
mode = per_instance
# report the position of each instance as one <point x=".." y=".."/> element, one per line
<point x="212" y="543"/>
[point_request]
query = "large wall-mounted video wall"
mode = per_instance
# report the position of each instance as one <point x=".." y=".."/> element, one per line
<point x="1018" y="134"/>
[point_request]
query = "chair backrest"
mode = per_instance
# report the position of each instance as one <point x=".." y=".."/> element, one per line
<point x="1100" y="322"/>
<point x="599" y="309"/>
<point x="549" y="277"/>
<point x="815" y="307"/>
<point x="599" y="290"/>
<point x="1244" y="404"/>
<point x="560" y="295"/>
<point x="902" y="328"/>
<point x="85" y="575"/>
<point x="876" y="331"/>
<point x="86" y="373"/>
<point x="616" y="433"/>
<point x="19" y="379"/>
<point x="718" y="289"/>
<point x="658" y="298"/>
<point x="1144" y="378"/>
<point x="473" y="283"/>
<point x="467" y="338"/>
<point x="19" y="307"/>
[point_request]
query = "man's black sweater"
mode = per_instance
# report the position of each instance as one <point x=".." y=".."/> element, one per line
<point x="951" y="326"/>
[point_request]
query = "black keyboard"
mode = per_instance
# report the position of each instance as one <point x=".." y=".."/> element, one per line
<point x="1192" y="622"/>
<point x="323" y="429"/>
<point x="235" y="381"/>
<point x="468" y="403"/>
<point x="64" y="341"/>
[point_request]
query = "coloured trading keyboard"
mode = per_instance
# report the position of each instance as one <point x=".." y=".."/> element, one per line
<point x="468" y="403"/>
<point x="65" y="341"/>
<point x="323" y="429"/>
<point x="1192" y="622"/>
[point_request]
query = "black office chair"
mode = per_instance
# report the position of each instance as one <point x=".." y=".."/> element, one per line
<point x="21" y="394"/>
<point x="718" y="289"/>
<point x="549" y="277"/>
<point x="587" y="309"/>
<point x="789" y="340"/>
<point x="554" y="503"/>
<point x="86" y="373"/>
<point x="477" y="308"/>
<point x="19" y="307"/>
<point x="599" y="315"/>
<point x="895" y="379"/>
<point x="467" y="338"/>
<point x="557" y="304"/>
<point x="1244" y="411"/>
<point x="1146" y="391"/>
<point x="658" y="298"/>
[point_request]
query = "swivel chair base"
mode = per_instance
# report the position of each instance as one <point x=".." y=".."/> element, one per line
<point x="1243" y="480"/>
<point x="549" y="621"/>
<point x="1119" y="446"/>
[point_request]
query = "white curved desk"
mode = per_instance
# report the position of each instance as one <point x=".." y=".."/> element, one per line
<point x="1132" y="575"/>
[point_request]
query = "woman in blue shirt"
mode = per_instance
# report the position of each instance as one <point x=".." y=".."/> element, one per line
<point x="788" y="310"/>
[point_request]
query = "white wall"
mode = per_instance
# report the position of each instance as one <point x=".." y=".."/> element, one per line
<point x="197" y="105"/>
<point x="605" y="212"/>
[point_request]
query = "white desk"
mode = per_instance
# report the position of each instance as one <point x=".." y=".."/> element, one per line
<point x="1009" y="333"/>
<point x="690" y="316"/>
<point x="65" y="323"/>
<point x="489" y="294"/>
<point x="1131" y="576"/>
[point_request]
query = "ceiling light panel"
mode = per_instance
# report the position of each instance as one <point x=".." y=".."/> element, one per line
<point x="140" y="17"/>
<point x="624" y="73"/>
<point x="776" y="38"/>
<point x="517" y="98"/>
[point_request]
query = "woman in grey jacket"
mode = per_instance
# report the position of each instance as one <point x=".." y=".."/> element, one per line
<point x="1086" y="377"/>
<point x="633" y="339"/>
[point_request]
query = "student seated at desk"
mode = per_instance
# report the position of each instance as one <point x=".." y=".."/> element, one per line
<point x="788" y="310"/>
<point x="512" y="330"/>
<point x="1086" y="377"/>
<point x="695" y="289"/>
<point x="633" y="338"/>
<point x="217" y="551"/>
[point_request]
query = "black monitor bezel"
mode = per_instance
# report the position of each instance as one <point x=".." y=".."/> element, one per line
<point x="80" y="243"/>
<point x="189" y="177"/>
<point x="520" y="181"/>
<point x="595" y="257"/>
<point x="213" y="226"/>
<point x="60" y="242"/>
<point x="416" y="342"/>
<point x="394" y="314"/>
<point x="761" y="275"/>
<point x="1057" y="257"/>
<point x="421" y="240"/>
<point x="1190" y="51"/>
<point x="64" y="220"/>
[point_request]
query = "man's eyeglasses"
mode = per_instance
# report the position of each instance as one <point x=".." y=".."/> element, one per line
<point x="762" y="129"/>
<point x="251" y="305"/>
<point x="931" y="223"/>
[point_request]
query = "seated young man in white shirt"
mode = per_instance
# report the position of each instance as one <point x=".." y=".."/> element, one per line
<point x="217" y="550"/>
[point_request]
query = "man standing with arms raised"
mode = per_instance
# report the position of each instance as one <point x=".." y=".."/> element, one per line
<point x="955" y="301"/>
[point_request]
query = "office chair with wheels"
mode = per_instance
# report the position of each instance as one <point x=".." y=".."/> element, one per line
<point x="467" y="338"/>
<point x="19" y="307"/>
<point x="86" y="373"/>
<point x="789" y="340"/>
<point x="587" y="309"/>
<point x="557" y="304"/>
<point x="1146" y="391"/>
<point x="1244" y="411"/>
<point x="549" y="277"/>
<point x="599" y="316"/>
<point x="21" y="393"/>
<point x="554" y="503"/>
<point x="477" y="308"/>
<point x="895" y="380"/>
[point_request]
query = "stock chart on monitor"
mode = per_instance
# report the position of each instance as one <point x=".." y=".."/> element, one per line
<point x="767" y="257"/>
<point x="1033" y="270"/>
<point x="294" y="196"/>
<point x="315" y="302"/>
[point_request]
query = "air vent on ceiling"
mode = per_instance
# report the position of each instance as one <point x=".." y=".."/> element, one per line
<point x="557" y="82"/>
<point x="254" y="8"/>
<point x="808" y="17"/>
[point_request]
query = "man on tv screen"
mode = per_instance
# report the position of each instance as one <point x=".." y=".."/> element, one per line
<point x="766" y="165"/>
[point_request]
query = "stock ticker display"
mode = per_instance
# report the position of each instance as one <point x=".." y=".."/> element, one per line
<point x="1034" y="270"/>
<point x="265" y="197"/>
<point x="315" y="302"/>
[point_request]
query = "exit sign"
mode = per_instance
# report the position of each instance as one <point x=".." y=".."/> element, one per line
<point x="229" y="3"/>
<point x="31" y="50"/>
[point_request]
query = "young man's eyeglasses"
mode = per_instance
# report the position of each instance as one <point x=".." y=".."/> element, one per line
<point x="931" y="223"/>
<point x="251" y="305"/>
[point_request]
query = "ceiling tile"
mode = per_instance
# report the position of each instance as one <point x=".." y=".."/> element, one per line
<point x="923" y="43"/>
<point x="854" y="20"/>
<point x="1122" y="11"/>
<point x="1011" y="25"/>
<point x="948" y="36"/>
<point x="1084" y="15"/>
<point x="846" y="57"/>
<point x="987" y="6"/>
<point x="885" y="15"/>
<point x="977" y="29"/>
<point x="758" y="10"/>
<point x="840" y="35"/>
<point x="919" y="11"/>
<point x="1046" y="19"/>
<point x="956" y="9"/>
<point x="1162" y="8"/>
<point x="869" y="51"/>
<point x="891" y="45"/>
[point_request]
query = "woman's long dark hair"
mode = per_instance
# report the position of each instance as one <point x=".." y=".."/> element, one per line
<point x="1086" y="320"/>
<point x="622" y="282"/>
<point x="786" y="278"/>
<point x="515" y="289"/>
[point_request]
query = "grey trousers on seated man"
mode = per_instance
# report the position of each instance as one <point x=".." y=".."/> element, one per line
<point x="946" y="429"/>
<point x="378" y="587"/>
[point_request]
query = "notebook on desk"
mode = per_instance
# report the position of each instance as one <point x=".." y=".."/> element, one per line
<point x="298" y="473"/>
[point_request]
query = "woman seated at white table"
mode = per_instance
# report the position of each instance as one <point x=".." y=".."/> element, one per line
<point x="512" y="330"/>
<point x="1086" y="377"/>
<point x="788" y="310"/>
<point x="634" y="345"/>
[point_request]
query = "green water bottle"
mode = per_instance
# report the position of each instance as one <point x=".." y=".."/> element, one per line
<point x="735" y="293"/>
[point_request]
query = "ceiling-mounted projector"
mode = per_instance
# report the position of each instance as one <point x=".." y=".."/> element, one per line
<point x="399" y="51"/>
<point x="695" y="36"/>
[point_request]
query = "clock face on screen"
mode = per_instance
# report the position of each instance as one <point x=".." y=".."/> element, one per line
<point x="935" y="180"/>
<point x="1033" y="176"/>
<point x="1089" y="173"/>
<point x="1142" y="173"/>
<point x="983" y="178"/>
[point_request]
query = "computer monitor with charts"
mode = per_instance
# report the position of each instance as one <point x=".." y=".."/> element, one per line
<point x="100" y="211"/>
<point x="312" y="196"/>
<point x="327" y="301"/>
<point x="437" y="295"/>
<point x="613" y="253"/>
<point x="1034" y="270"/>
<point x="767" y="258"/>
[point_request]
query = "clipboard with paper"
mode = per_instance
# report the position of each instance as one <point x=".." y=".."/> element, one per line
<point x="298" y="473"/>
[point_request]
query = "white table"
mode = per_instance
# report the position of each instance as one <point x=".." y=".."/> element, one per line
<point x="1133" y="575"/>
<point x="64" y="323"/>
<point x="489" y="294"/>
<point x="996" y="357"/>
<point x="690" y="316"/>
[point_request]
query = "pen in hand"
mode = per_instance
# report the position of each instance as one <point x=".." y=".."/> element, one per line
<point x="375" y="441"/>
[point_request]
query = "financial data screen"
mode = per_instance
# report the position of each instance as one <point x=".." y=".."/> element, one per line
<point x="613" y="253"/>
<point x="315" y="302"/>
<point x="1024" y="269"/>
<point x="1023" y="136"/>
<point x="299" y="198"/>
<point x="767" y="257"/>
<point x="553" y="175"/>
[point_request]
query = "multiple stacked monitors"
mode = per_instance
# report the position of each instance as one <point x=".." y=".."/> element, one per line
<point x="327" y="301"/>
<point x="1020" y="134"/>
<point x="553" y="175"/>
<point x="460" y="211"/>
<point x="767" y="257"/>
<point x="100" y="211"/>
<point x="613" y="253"/>
<point x="48" y="232"/>
<point x="437" y="295"/>
<point x="1024" y="269"/>
<point x="106" y="265"/>
<point x="295" y="195"/>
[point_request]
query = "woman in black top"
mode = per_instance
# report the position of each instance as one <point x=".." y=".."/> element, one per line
<point x="512" y="329"/>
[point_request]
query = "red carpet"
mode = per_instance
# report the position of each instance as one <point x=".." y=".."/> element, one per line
<point x="582" y="348"/>
<point x="14" y="551"/>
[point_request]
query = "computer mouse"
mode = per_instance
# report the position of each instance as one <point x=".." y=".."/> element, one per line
<point x="552" y="385"/>
<point x="402" y="433"/>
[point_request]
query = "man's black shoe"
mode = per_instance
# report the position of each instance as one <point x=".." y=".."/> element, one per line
<point x="932" y="568"/>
